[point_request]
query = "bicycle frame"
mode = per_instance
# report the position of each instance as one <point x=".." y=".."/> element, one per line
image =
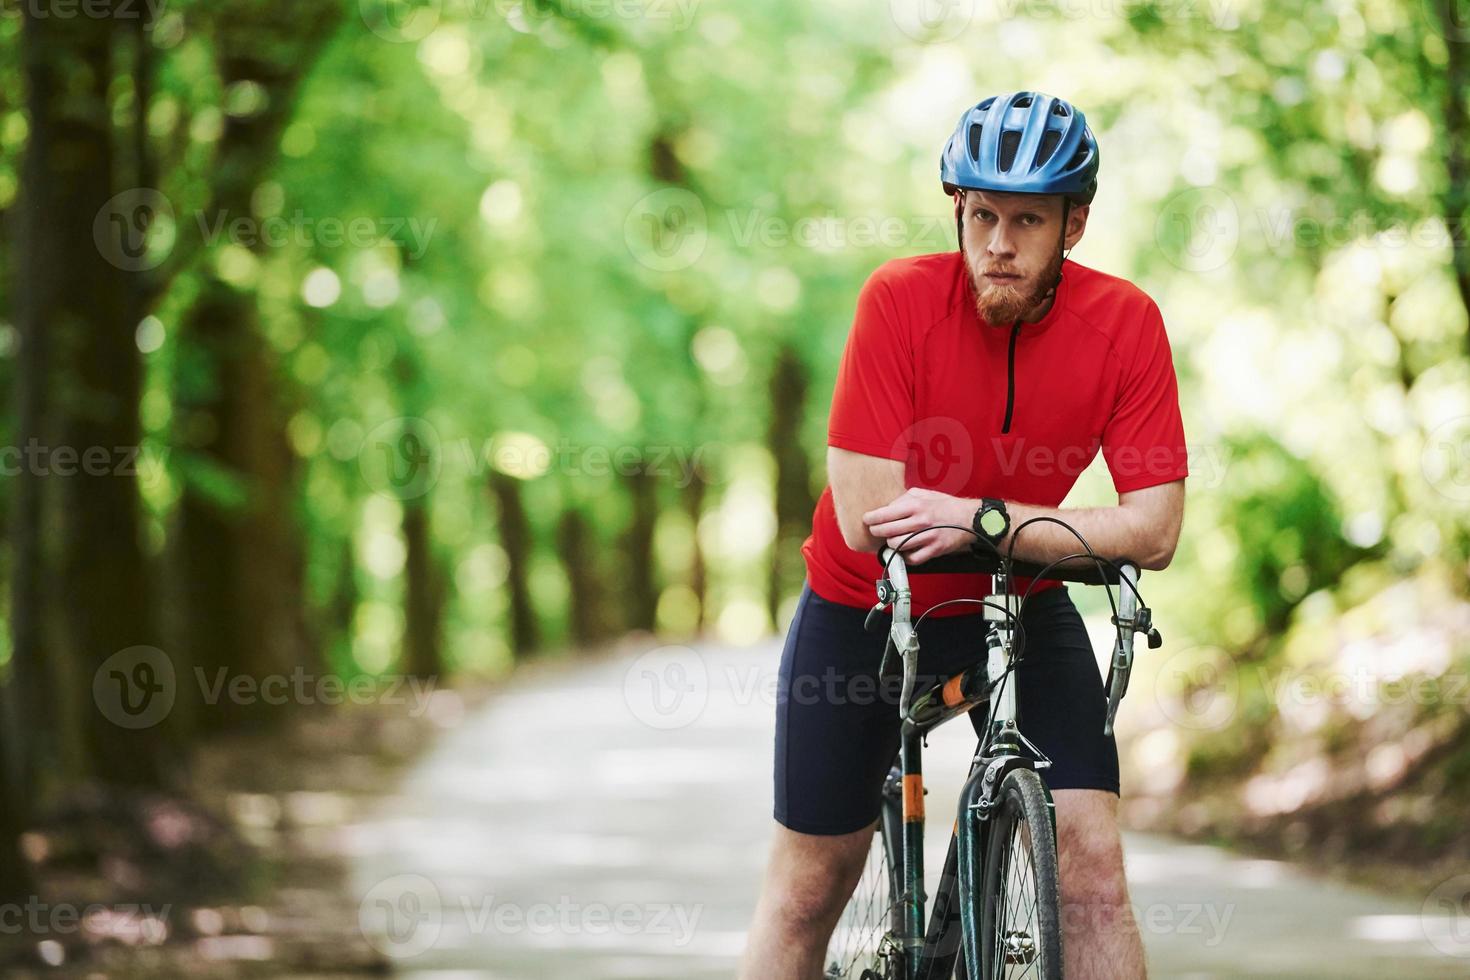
<point x="1000" y="751"/>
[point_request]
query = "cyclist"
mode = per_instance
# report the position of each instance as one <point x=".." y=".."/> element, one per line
<point x="974" y="388"/>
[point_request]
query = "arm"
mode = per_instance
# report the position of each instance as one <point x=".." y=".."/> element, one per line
<point x="859" y="484"/>
<point x="1144" y="526"/>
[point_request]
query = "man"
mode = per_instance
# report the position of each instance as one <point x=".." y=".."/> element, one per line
<point x="982" y="379"/>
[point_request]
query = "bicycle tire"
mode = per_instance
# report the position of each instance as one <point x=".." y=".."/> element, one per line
<point x="1019" y="911"/>
<point x="861" y="947"/>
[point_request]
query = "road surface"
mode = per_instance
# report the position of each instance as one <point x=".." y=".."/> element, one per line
<point x="610" y="819"/>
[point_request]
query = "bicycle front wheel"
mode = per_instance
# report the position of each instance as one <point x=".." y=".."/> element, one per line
<point x="862" y="946"/>
<point x="1020" y="913"/>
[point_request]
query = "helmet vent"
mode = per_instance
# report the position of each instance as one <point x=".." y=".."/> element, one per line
<point x="1009" y="143"/>
<point x="1048" y="146"/>
<point x="975" y="132"/>
<point x="1078" y="158"/>
<point x="1058" y="109"/>
<point x="1024" y="102"/>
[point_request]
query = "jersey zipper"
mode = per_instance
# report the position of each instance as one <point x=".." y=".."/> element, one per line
<point x="1011" y="377"/>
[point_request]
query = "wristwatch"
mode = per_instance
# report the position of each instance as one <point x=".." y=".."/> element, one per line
<point x="991" y="520"/>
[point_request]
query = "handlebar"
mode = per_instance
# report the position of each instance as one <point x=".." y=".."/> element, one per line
<point x="1130" y="616"/>
<point x="988" y="563"/>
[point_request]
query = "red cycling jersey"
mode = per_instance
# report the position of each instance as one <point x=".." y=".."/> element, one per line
<point x="981" y="410"/>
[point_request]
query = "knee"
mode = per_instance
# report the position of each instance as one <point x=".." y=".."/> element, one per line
<point x="808" y="892"/>
<point x="1092" y="867"/>
<point x="807" y="907"/>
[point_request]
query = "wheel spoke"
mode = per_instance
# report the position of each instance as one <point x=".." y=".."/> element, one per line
<point x="862" y="931"/>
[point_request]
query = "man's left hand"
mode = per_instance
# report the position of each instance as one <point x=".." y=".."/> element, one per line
<point x="920" y="510"/>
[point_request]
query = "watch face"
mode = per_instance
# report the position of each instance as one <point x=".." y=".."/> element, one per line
<point x="992" y="522"/>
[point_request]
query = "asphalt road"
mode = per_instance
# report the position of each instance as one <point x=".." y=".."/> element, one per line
<point x="611" y="820"/>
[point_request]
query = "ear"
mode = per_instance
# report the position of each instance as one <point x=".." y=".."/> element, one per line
<point x="1076" y="224"/>
<point x="959" y="202"/>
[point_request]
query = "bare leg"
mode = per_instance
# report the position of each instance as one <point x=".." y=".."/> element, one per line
<point x="809" y="879"/>
<point x="1100" y="938"/>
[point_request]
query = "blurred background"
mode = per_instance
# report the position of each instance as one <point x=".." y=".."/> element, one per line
<point x="406" y="404"/>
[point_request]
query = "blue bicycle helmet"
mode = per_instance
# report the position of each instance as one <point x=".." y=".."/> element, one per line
<point x="1025" y="143"/>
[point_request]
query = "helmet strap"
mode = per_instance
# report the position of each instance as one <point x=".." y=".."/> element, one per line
<point x="1062" y="245"/>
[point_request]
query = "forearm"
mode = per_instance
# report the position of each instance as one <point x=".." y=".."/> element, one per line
<point x="1112" y="532"/>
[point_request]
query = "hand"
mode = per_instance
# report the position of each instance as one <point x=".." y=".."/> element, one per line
<point x="917" y="509"/>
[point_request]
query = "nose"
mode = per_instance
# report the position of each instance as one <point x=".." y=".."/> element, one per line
<point x="1001" y="245"/>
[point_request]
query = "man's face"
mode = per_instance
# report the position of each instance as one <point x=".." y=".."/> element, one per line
<point x="1011" y="248"/>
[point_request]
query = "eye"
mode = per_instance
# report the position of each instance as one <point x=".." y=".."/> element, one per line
<point x="1030" y="219"/>
<point x="980" y="214"/>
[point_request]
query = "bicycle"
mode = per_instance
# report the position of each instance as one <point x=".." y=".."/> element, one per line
<point x="998" y="905"/>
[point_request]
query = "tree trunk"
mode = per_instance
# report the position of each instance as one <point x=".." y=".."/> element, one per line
<point x="794" y="500"/>
<point x="422" y="595"/>
<point x="241" y="547"/>
<point x="1455" y="125"/>
<point x="100" y="574"/>
<point x="240" y="544"/>
<point x="578" y="549"/>
<point x="642" y="599"/>
<point x="515" y="538"/>
<point x="694" y="495"/>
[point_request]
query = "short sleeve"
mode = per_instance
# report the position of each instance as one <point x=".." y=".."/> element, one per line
<point x="873" y="401"/>
<point x="1143" y="440"/>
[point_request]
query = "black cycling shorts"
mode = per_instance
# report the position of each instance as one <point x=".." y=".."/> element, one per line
<point x="837" y="722"/>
